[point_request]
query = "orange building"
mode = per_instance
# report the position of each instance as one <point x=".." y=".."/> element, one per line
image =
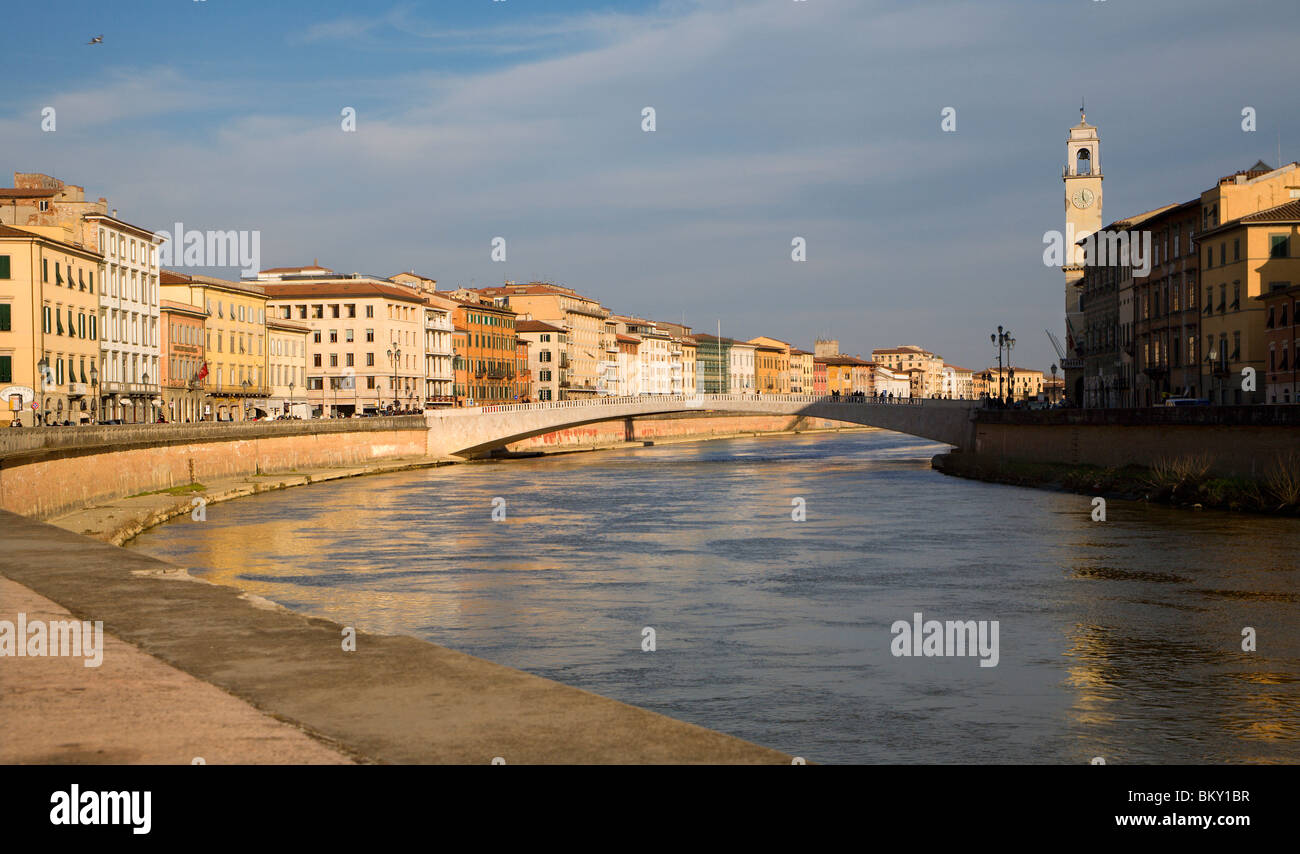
<point x="183" y="364"/>
<point x="486" y="353"/>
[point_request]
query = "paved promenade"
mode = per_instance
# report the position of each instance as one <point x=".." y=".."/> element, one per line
<point x="221" y="664"/>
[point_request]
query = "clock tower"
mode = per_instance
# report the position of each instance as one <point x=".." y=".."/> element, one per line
<point x="1082" y="177"/>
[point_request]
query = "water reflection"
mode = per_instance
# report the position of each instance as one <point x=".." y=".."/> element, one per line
<point x="1119" y="639"/>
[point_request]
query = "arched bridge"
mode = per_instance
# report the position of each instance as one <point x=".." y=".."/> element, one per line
<point x="476" y="430"/>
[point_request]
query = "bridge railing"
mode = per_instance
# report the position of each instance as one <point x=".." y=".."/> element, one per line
<point x="689" y="401"/>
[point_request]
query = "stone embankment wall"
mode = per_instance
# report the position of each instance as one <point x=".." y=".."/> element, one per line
<point x="1240" y="441"/>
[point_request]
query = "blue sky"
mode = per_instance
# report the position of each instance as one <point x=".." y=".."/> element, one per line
<point x="774" y="119"/>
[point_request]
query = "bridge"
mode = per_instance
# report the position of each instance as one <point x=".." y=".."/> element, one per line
<point x="473" y="431"/>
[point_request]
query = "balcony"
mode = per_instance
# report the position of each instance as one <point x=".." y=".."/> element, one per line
<point x="129" y="388"/>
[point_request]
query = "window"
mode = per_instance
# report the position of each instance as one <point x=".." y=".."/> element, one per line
<point x="316" y="360"/>
<point x="334" y="360"/>
<point x="347" y="335"/>
<point x="1277" y="246"/>
<point x="348" y="360"/>
<point x="45" y="269"/>
<point x="370" y="335"/>
<point x="370" y="311"/>
<point x="334" y="310"/>
<point x="334" y="336"/>
<point x="5" y="319"/>
<point x="370" y="360"/>
<point x="4" y="266"/>
<point x="6" y="369"/>
<point x="315" y="337"/>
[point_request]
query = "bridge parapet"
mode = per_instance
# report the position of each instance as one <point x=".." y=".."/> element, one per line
<point x="472" y="430"/>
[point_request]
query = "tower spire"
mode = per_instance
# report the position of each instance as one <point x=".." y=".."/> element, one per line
<point x="1082" y="116"/>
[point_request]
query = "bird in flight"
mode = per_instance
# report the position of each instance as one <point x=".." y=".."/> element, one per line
<point x="96" y="40"/>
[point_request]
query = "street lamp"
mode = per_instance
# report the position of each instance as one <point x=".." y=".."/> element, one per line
<point x="43" y="368"/>
<point x="394" y="356"/>
<point x="94" y="393"/>
<point x="1002" y="338"/>
<point x="144" y="380"/>
<point x="290" y="408"/>
<point x="1053" y="394"/>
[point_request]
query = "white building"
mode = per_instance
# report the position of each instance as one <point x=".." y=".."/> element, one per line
<point x="893" y="383"/>
<point x="741" y="368"/>
<point x="439" y="373"/>
<point x="958" y="383"/>
<point x="128" y="320"/>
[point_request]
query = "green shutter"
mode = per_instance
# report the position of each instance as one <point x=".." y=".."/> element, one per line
<point x="6" y="369"/>
<point x="4" y="317"/>
<point x="4" y="266"/>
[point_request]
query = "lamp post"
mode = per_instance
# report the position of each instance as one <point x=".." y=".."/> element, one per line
<point x="1002" y="338"/>
<point x="289" y="409"/>
<point x="43" y="368"/>
<point x="94" y="392"/>
<point x="148" y="407"/>
<point x="1053" y="394"/>
<point x="394" y="356"/>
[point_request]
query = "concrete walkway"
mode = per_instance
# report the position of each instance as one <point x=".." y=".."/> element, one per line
<point x="394" y="699"/>
<point x="130" y="709"/>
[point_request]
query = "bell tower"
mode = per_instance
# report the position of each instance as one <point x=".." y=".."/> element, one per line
<point x="1082" y="178"/>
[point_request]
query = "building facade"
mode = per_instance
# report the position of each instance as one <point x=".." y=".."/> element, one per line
<point x="365" y="353"/>
<point x="49" y="314"/>
<point x="183" y="358"/>
<point x="1282" y="336"/>
<point x="234" y="342"/>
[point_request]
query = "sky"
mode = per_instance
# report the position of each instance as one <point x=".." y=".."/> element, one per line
<point x="774" y="119"/>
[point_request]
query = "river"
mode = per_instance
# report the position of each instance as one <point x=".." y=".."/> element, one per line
<point x="1119" y="639"/>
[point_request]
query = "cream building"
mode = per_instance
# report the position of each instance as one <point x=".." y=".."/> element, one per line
<point x="366" y="348"/>
<point x="928" y="379"/>
<point x="547" y="375"/>
<point x="49" y="310"/>
<point x="801" y="372"/>
<point x="286" y="367"/>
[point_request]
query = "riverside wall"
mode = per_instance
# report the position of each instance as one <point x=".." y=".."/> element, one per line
<point x="1235" y="441"/>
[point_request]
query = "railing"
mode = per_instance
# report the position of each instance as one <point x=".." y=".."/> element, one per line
<point x="701" y="401"/>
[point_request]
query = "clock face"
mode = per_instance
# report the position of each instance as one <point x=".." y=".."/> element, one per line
<point x="1083" y="198"/>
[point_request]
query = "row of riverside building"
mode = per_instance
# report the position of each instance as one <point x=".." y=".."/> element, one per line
<point x="1214" y="315"/>
<point x="93" y="330"/>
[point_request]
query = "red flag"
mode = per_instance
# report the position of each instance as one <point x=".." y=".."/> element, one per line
<point x="203" y="371"/>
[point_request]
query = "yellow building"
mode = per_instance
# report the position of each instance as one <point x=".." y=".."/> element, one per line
<point x="49" y="336"/>
<point x="234" y="342"/>
<point x="771" y="365"/>
<point x="1010" y="381"/>
<point x="1241" y="260"/>
<point x="688" y="348"/>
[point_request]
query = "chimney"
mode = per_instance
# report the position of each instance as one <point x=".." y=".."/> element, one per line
<point x="114" y="213"/>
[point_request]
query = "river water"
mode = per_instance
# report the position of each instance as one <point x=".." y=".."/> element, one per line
<point x="1119" y="639"/>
